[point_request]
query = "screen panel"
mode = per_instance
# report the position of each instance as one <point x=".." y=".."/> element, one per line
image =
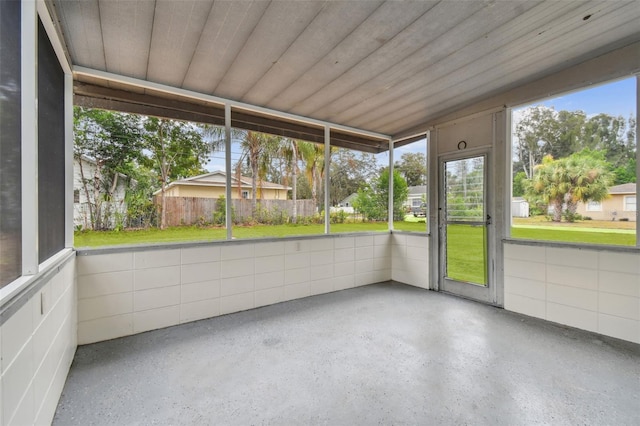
<point x="10" y="144"/>
<point x="51" y="208"/>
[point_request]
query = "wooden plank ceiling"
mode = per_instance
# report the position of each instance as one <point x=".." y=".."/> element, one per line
<point x="380" y="66"/>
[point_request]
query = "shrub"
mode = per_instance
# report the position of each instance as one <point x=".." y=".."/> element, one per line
<point x="220" y="212"/>
<point x="339" y="216"/>
<point x="570" y="216"/>
<point x="624" y="219"/>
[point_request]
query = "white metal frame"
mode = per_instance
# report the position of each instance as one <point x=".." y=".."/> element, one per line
<point x="470" y="290"/>
<point x="637" y="160"/>
<point x="227" y="166"/>
<point x="390" y="206"/>
<point x="29" y="128"/>
<point x="327" y="179"/>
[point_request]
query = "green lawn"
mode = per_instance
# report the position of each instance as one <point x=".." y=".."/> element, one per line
<point x="466" y="259"/>
<point x="192" y="233"/>
<point x="574" y="235"/>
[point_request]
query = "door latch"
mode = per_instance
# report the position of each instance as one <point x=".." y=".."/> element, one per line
<point x="488" y="222"/>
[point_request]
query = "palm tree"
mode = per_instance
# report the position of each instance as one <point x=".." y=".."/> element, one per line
<point x="258" y="149"/>
<point x="291" y="153"/>
<point x="550" y="184"/>
<point x="313" y="156"/>
<point x="589" y="177"/>
<point x="579" y="177"/>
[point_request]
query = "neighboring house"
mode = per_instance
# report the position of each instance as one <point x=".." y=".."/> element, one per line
<point x="519" y="207"/>
<point x="212" y="185"/>
<point x="417" y="195"/>
<point x="346" y="205"/>
<point x="81" y="213"/>
<point x="621" y="203"/>
<point x="348" y="202"/>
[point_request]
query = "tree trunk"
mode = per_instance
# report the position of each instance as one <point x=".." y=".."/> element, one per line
<point x="92" y="220"/>
<point x="164" y="175"/>
<point x="314" y="188"/>
<point x="96" y="197"/>
<point x="254" y="187"/>
<point x="163" y="212"/>
<point x="557" y="209"/>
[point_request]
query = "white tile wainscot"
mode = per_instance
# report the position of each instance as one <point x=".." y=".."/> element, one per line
<point x="127" y="292"/>
<point x="593" y="289"/>
<point x="38" y="342"/>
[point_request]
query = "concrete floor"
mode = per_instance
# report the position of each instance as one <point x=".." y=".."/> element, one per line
<point x="381" y="354"/>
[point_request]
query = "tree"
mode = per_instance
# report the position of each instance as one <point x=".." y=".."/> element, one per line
<point x="590" y="179"/>
<point x="291" y="153"/>
<point x="350" y="170"/>
<point x="373" y="199"/>
<point x="177" y="150"/>
<point x="535" y="134"/>
<point x="579" y="177"/>
<point x="413" y="167"/>
<point x="141" y="211"/>
<point x="313" y="157"/>
<point x="541" y="131"/>
<point x="519" y="183"/>
<point x="400" y="192"/>
<point x="257" y="151"/>
<point x="112" y="142"/>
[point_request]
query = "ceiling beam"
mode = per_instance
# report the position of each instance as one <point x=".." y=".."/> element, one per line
<point x="186" y="109"/>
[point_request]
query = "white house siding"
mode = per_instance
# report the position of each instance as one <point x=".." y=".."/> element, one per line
<point x="81" y="212"/>
<point x="38" y="345"/>
<point x="130" y="292"/>
<point x="592" y="289"/>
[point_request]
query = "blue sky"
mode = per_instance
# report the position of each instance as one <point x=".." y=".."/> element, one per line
<point x="617" y="98"/>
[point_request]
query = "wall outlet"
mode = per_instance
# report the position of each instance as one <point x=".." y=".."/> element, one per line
<point x="44" y="302"/>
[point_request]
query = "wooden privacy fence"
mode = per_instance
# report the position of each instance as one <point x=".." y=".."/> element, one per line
<point x="193" y="210"/>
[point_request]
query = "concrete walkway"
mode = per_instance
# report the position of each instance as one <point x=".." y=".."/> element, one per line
<point x="381" y="354"/>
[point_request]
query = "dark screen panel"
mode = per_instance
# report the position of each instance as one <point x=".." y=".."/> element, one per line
<point x="10" y="144"/>
<point x="50" y="149"/>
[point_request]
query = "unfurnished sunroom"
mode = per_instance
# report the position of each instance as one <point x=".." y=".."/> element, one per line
<point x="337" y="327"/>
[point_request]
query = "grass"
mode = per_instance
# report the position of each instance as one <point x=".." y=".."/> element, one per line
<point x="573" y="233"/>
<point x="542" y="221"/>
<point x="194" y="233"/>
<point x="605" y="232"/>
<point x="575" y="236"/>
<point x="466" y="259"/>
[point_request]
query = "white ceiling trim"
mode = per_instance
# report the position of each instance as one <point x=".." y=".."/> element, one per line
<point x="54" y="36"/>
<point x="78" y="70"/>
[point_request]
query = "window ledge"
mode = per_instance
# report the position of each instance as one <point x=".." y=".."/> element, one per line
<point x="560" y="244"/>
<point x="90" y="251"/>
<point x="14" y="295"/>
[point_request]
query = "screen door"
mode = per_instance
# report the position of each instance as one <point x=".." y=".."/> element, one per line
<point x="464" y="227"/>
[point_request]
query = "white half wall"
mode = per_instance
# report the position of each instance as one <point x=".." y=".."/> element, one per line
<point x="410" y="259"/>
<point x="131" y="291"/>
<point x="38" y="342"/>
<point x="592" y="289"/>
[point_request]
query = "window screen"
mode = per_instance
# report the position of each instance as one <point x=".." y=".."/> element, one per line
<point x="10" y="144"/>
<point x="51" y="209"/>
